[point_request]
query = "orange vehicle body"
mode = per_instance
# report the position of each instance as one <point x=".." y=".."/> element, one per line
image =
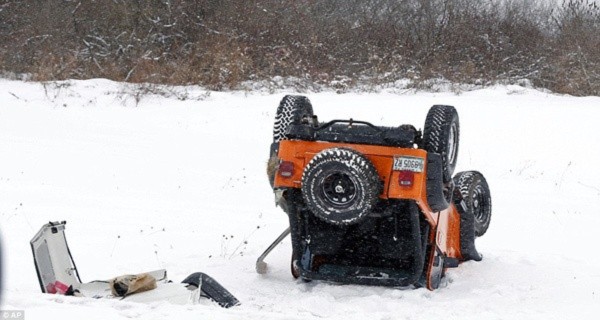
<point x="444" y="225"/>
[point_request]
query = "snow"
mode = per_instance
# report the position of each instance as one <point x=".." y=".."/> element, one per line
<point x="148" y="182"/>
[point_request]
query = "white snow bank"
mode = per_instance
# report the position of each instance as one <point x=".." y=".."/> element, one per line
<point x="149" y="182"/>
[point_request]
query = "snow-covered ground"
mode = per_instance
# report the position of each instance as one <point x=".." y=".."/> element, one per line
<point x="179" y="183"/>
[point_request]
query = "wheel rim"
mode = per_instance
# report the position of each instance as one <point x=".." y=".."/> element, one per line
<point x="452" y="144"/>
<point x="339" y="189"/>
<point x="295" y="271"/>
<point x="479" y="203"/>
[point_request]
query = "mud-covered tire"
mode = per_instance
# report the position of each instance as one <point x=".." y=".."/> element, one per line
<point x="340" y="186"/>
<point x="291" y="110"/>
<point x="474" y="198"/>
<point x="441" y="135"/>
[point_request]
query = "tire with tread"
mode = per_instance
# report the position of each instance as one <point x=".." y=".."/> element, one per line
<point x="340" y="186"/>
<point x="291" y="110"/>
<point x="441" y="136"/>
<point x="474" y="198"/>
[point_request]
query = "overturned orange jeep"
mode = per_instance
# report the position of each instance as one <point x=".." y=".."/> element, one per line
<point x="375" y="205"/>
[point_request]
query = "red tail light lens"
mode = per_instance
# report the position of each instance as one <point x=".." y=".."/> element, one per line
<point x="406" y="178"/>
<point x="286" y="169"/>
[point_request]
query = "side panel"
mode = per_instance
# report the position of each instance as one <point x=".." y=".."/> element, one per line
<point x="448" y="232"/>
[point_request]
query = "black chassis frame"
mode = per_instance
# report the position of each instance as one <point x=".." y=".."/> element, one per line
<point x="389" y="248"/>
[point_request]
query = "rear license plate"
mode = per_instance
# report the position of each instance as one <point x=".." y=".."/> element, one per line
<point x="413" y="164"/>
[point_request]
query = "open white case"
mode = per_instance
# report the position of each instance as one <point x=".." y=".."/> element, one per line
<point x="57" y="273"/>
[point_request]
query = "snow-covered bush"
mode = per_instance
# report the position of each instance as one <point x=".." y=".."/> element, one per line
<point x="222" y="44"/>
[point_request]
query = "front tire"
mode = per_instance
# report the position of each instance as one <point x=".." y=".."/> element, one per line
<point x="475" y="199"/>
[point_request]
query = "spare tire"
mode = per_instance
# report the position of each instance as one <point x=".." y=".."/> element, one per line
<point x="340" y="186"/>
<point x="441" y="135"/>
<point x="291" y="110"/>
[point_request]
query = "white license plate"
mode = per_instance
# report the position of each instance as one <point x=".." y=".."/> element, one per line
<point x="413" y="164"/>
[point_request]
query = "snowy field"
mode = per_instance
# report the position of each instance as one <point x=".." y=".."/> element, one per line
<point x="179" y="183"/>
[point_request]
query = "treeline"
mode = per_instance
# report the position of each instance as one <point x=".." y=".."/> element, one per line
<point x="221" y="43"/>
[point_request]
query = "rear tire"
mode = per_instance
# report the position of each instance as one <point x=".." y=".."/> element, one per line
<point x="340" y="186"/>
<point x="291" y="110"/>
<point x="441" y="136"/>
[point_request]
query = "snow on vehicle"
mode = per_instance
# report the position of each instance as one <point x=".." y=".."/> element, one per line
<point x="374" y="205"/>
<point x="58" y="274"/>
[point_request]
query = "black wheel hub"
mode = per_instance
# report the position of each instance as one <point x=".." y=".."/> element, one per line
<point x="478" y="203"/>
<point x="452" y="144"/>
<point x="339" y="189"/>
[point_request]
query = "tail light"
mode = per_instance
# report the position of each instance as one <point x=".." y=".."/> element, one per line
<point x="406" y="178"/>
<point x="286" y="169"/>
